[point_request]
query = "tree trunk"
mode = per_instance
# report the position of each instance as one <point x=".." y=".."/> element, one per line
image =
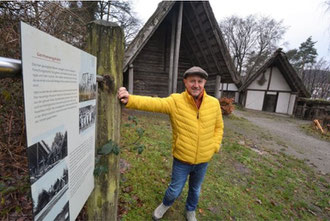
<point x="105" y="40"/>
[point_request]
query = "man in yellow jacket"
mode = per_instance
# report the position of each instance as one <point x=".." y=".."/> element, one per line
<point x="197" y="127"/>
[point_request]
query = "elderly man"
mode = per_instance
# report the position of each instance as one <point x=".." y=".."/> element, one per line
<point x="197" y="127"/>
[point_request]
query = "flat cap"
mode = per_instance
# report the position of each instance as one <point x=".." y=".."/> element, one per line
<point x="195" y="70"/>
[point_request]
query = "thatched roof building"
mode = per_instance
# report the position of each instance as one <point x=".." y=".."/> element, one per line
<point x="177" y="36"/>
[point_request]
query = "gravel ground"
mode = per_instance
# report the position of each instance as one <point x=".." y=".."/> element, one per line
<point x="282" y="133"/>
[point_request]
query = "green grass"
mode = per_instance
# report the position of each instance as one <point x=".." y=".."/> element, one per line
<point x="240" y="184"/>
<point x="234" y="117"/>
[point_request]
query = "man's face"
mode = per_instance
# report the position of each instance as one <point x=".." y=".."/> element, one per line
<point x="194" y="84"/>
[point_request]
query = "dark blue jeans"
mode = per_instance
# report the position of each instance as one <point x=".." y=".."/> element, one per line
<point x="180" y="172"/>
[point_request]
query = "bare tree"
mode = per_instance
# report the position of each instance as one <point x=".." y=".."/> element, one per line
<point x="240" y="37"/>
<point x="251" y="40"/>
<point x="317" y="79"/>
<point x="65" y="20"/>
<point x="121" y="13"/>
<point x="55" y="18"/>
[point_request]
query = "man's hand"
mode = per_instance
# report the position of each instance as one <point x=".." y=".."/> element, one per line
<point x="123" y="95"/>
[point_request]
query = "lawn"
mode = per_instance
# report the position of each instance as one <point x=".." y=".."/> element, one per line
<point x="241" y="183"/>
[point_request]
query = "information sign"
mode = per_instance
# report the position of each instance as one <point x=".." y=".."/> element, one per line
<point x="60" y="110"/>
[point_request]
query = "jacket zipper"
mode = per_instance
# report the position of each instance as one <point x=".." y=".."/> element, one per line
<point x="198" y="132"/>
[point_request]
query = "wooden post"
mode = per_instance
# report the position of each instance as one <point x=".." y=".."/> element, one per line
<point x="105" y="40"/>
<point x="217" y="86"/>
<point x="221" y="90"/>
<point x="177" y="48"/>
<point x="170" y="70"/>
<point x="236" y="97"/>
<point x="130" y="78"/>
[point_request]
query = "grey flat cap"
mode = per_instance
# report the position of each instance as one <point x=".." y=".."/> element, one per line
<point x="196" y="70"/>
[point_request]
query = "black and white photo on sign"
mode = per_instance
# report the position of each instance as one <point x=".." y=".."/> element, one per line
<point x="87" y="116"/>
<point x="47" y="153"/>
<point x="50" y="191"/>
<point x="64" y="213"/>
<point x="87" y="86"/>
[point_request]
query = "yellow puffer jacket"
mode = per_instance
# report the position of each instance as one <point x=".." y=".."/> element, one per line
<point x="197" y="134"/>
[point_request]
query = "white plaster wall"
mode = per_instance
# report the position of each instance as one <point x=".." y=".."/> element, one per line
<point x="278" y="82"/>
<point x="291" y="104"/>
<point x="255" y="100"/>
<point x="231" y="87"/>
<point x="255" y="85"/>
<point x="283" y="103"/>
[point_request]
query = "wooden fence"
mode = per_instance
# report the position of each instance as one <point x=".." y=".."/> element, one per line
<point x="309" y="109"/>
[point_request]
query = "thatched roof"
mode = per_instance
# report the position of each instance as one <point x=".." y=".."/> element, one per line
<point x="200" y="34"/>
<point x="279" y="60"/>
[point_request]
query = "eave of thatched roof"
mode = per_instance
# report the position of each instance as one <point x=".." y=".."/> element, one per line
<point x="146" y="32"/>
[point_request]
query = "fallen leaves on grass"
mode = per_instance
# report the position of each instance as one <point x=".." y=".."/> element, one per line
<point x="258" y="201"/>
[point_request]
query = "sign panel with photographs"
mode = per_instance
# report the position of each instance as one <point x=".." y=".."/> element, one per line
<point x="60" y="111"/>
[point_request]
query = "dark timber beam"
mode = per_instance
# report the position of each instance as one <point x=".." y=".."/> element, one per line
<point x="206" y="39"/>
<point x="223" y="50"/>
<point x="197" y="42"/>
<point x="187" y="40"/>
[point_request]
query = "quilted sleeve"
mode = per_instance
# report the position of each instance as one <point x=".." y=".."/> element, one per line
<point x="152" y="104"/>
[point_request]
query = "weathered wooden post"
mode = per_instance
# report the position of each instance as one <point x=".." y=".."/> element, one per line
<point x="105" y="41"/>
<point x="170" y="69"/>
<point x="217" y="93"/>
<point x="177" y="49"/>
<point x="130" y="78"/>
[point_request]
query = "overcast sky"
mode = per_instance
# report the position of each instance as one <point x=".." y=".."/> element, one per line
<point x="303" y="18"/>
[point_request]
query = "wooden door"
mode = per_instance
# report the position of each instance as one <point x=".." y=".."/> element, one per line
<point x="270" y="102"/>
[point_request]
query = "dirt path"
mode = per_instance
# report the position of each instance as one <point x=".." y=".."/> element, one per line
<point x="282" y="133"/>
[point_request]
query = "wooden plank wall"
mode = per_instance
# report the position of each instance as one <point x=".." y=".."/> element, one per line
<point x="150" y="66"/>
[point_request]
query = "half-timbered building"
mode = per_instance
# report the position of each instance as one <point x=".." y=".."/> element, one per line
<point x="274" y="87"/>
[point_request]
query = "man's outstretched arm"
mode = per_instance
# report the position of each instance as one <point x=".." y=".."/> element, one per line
<point x="146" y="103"/>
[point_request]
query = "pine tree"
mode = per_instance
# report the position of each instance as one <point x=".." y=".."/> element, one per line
<point x="303" y="58"/>
<point x="307" y="54"/>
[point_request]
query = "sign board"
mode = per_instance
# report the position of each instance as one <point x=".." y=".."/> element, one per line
<point x="60" y="111"/>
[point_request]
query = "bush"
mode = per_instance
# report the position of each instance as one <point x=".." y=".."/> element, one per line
<point x="227" y="106"/>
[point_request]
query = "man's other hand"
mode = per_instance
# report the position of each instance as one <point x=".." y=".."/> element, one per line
<point x="123" y="95"/>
